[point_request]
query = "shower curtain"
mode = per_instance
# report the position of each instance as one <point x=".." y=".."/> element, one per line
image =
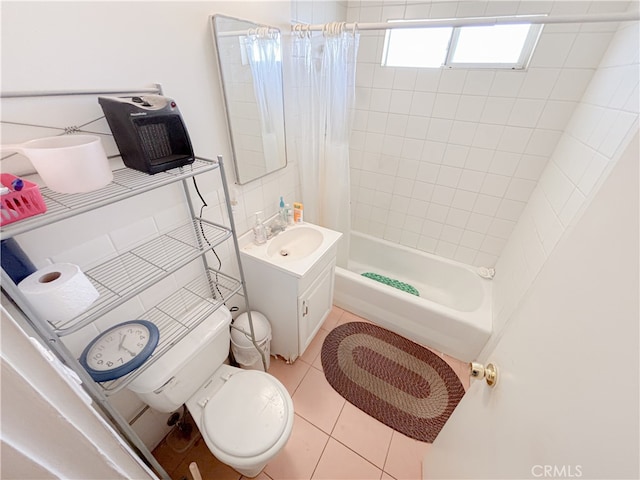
<point x="262" y="48"/>
<point x="324" y="76"/>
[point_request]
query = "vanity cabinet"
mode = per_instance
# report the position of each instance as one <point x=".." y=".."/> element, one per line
<point x="296" y="305"/>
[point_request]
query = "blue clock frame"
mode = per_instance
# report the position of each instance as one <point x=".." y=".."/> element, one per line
<point x="131" y="365"/>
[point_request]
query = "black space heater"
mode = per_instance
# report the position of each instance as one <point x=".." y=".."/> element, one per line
<point x="148" y="131"/>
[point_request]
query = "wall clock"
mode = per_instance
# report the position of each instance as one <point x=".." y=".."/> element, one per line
<point x="120" y="350"/>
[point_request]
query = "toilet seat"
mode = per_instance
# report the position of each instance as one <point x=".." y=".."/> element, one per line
<point x="247" y="416"/>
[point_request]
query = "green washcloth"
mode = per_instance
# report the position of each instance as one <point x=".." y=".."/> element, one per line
<point x="405" y="287"/>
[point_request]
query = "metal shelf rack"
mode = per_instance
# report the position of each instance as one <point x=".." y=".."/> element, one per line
<point x="129" y="274"/>
<point x="126" y="183"/>
<point x="177" y="315"/>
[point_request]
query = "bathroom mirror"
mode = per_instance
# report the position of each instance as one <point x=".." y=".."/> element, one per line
<point x="250" y="63"/>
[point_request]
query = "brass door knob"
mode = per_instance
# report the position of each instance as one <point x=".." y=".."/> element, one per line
<point x="489" y="373"/>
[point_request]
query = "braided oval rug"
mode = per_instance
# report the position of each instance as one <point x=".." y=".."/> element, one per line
<point x="395" y="380"/>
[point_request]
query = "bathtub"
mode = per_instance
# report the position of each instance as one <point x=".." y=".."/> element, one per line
<point x="452" y="314"/>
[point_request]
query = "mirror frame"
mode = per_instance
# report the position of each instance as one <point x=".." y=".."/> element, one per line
<point x="236" y="161"/>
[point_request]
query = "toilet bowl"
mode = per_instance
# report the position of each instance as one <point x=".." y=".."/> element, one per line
<point x="245" y="416"/>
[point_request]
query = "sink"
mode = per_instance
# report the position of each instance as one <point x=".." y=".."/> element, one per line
<point x="295" y="250"/>
<point x="295" y="243"/>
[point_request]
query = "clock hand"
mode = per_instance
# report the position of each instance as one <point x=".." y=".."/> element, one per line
<point x="122" y="337"/>
<point x="130" y="352"/>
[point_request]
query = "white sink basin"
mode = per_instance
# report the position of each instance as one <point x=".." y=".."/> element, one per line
<point x="295" y="250"/>
<point x="295" y="243"/>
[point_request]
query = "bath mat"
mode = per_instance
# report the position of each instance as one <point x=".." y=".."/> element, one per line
<point x="395" y="380"/>
<point x="405" y="287"/>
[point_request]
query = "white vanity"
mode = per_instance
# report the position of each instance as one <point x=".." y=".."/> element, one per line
<point x="290" y="280"/>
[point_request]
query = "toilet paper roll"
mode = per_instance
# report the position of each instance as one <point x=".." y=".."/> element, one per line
<point x="59" y="292"/>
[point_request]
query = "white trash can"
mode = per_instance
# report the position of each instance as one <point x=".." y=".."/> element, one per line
<point x="244" y="351"/>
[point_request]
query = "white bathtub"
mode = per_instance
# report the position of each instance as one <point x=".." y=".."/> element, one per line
<point x="452" y="314"/>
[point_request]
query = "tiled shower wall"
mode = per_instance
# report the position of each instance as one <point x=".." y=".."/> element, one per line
<point x="597" y="135"/>
<point x="445" y="160"/>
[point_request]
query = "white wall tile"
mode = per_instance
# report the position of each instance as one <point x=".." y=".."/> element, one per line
<point x="428" y="79"/>
<point x="587" y="50"/>
<point x="464" y="200"/>
<point x="471" y="180"/>
<point x="476" y="142"/>
<point x="510" y="209"/>
<point x="455" y="155"/>
<point x="488" y="136"/>
<point x="445" y="106"/>
<point x="519" y="189"/>
<point x="400" y="101"/>
<point x="422" y="103"/>
<point x="479" y="222"/>
<point x="571" y="84"/>
<point x="462" y="133"/>
<point x="497" y="110"/>
<point x="452" y="81"/>
<point x="504" y="163"/>
<point x="552" y="50"/>
<point x="470" y="108"/>
<point x="507" y="84"/>
<point x="486" y="205"/>
<point x="449" y="176"/>
<point x="412" y="148"/>
<point x="439" y="130"/>
<point x="458" y="218"/>
<point x="478" y="82"/>
<point x="405" y="79"/>
<point x="396" y="124"/>
<point x="526" y="112"/>
<point x="556" y="115"/>
<point x="495" y="185"/>
<point x="539" y="83"/>
<point x="383" y="77"/>
<point x="531" y="166"/>
<point x="514" y="139"/>
<point x="380" y="99"/>
<point x="417" y="127"/>
<point x="428" y="172"/>
<point x="472" y="239"/>
<point x="442" y="195"/>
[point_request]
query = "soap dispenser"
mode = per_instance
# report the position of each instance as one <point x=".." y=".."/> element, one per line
<point x="283" y="213"/>
<point x="259" y="230"/>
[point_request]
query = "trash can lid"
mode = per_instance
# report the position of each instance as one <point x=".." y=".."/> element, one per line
<point x="261" y="329"/>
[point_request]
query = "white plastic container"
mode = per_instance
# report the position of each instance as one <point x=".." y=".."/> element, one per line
<point x="244" y="351"/>
<point x="67" y="163"/>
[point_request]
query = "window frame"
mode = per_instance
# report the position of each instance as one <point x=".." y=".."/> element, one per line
<point x="535" y="30"/>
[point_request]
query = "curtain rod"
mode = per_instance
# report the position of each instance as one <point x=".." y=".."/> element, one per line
<point x="157" y="89"/>
<point x="479" y="21"/>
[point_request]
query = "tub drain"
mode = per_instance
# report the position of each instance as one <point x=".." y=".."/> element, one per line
<point x="284" y="252"/>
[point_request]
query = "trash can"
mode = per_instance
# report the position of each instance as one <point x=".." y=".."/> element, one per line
<point x="244" y="351"/>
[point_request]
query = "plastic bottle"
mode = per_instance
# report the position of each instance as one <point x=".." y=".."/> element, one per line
<point x="283" y="212"/>
<point x="259" y="230"/>
<point x="289" y="212"/>
<point x="298" y="210"/>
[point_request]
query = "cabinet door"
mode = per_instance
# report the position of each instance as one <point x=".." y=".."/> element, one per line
<point x="314" y="305"/>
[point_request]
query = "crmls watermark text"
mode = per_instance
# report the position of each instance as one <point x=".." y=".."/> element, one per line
<point x="556" y="471"/>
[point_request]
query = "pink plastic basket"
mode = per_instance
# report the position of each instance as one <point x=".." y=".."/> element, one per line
<point x="24" y="203"/>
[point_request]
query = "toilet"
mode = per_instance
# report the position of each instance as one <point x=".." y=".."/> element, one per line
<point x="245" y="416"/>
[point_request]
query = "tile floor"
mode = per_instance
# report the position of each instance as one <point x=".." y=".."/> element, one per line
<point x="331" y="438"/>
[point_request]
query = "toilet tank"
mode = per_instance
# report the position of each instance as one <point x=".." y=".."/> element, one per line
<point x="181" y="371"/>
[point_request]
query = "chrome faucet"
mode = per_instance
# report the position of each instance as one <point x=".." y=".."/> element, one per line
<point x="275" y="228"/>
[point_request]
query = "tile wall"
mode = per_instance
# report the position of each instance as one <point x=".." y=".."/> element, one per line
<point x="445" y="160"/>
<point x="599" y="131"/>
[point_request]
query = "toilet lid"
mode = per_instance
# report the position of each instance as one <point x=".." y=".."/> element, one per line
<point x="247" y="416"/>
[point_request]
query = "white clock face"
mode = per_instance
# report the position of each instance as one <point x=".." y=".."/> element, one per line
<point x="119" y="346"/>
